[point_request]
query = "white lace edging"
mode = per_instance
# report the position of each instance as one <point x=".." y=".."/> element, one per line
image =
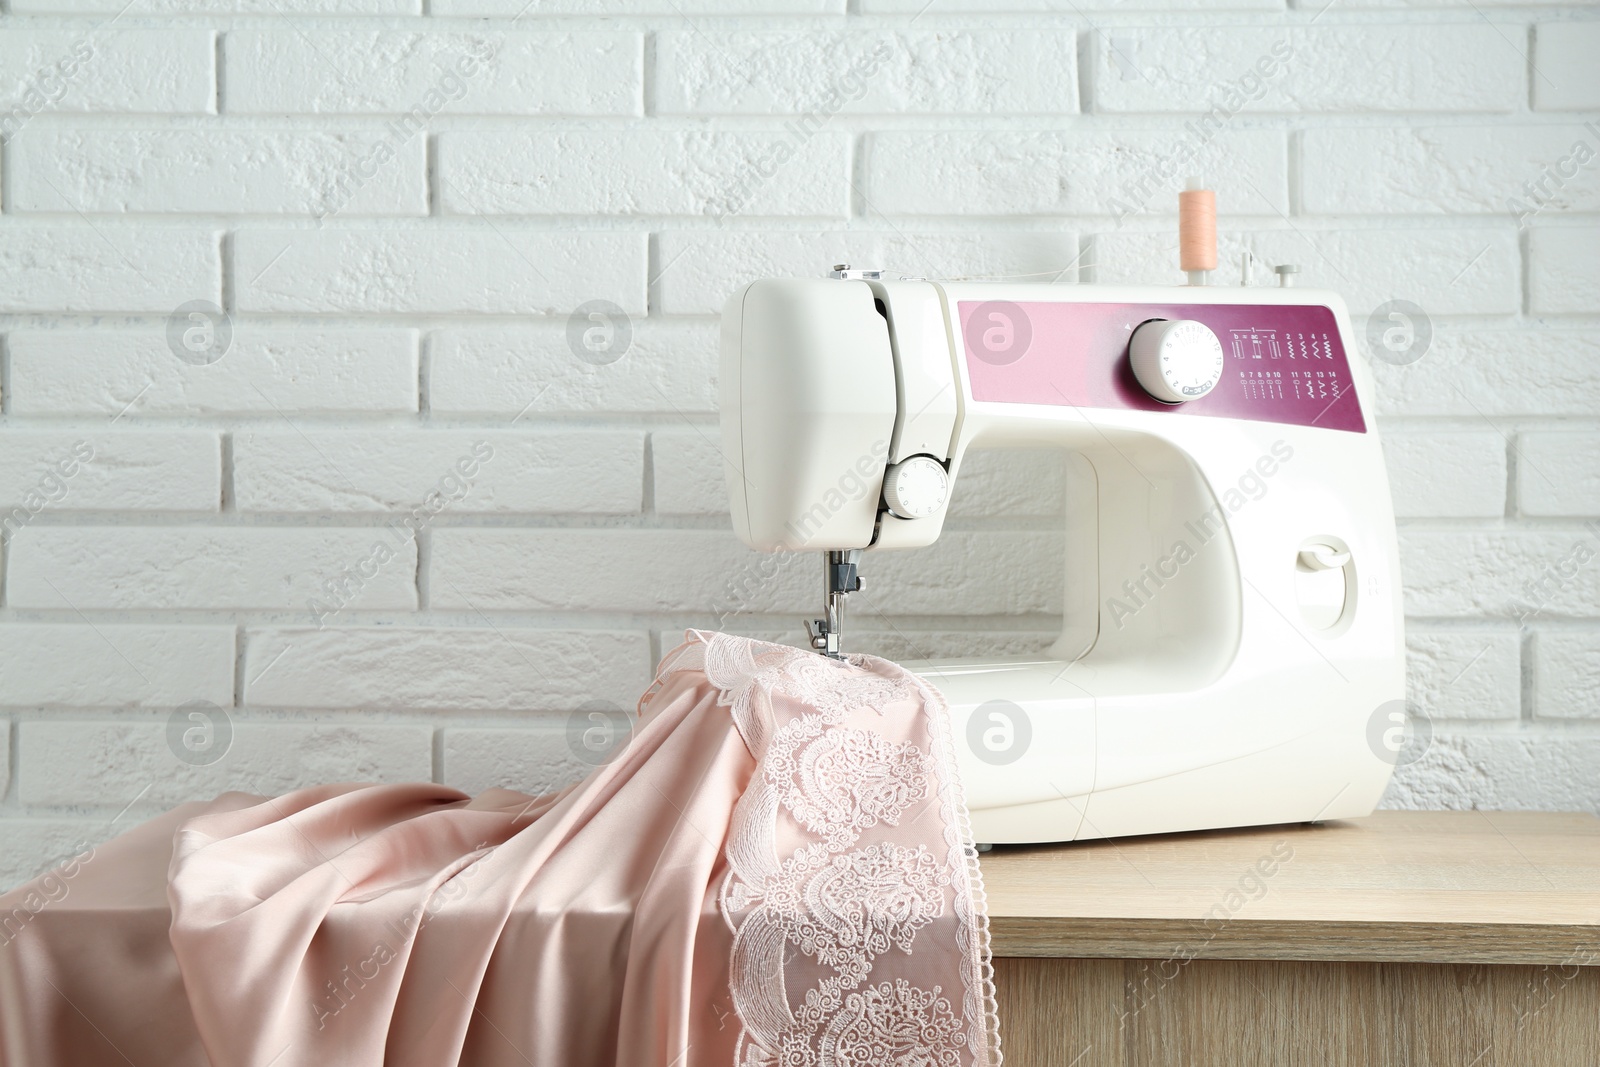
<point x="973" y="926"/>
<point x="849" y="914"/>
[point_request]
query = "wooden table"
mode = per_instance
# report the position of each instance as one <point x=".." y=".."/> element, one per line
<point x="1457" y="939"/>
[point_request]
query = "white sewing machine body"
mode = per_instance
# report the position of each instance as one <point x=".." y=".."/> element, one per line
<point x="1232" y="615"/>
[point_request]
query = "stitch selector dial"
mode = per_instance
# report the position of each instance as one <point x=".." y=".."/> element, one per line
<point x="1176" y="359"/>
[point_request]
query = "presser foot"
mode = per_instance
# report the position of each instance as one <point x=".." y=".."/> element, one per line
<point x="821" y="639"/>
<point x="840" y="577"/>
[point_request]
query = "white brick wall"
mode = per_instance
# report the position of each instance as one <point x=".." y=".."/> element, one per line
<point x="439" y="271"/>
<point x="1563" y="269"/>
<point x="1033" y="173"/>
<point x="1564" y="53"/>
<point x="390" y="72"/>
<point x="827" y="70"/>
<point x="309" y="370"/>
<point x="110" y="70"/>
<point x="207" y="171"/>
<point x="400" y="530"/>
<point x="394" y="469"/>
<point x="1442" y="170"/>
<point x="1323" y="68"/>
<point x="106" y="267"/>
<point x="589" y="173"/>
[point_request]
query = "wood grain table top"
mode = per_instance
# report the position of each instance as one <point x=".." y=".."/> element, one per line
<point x="1405" y="886"/>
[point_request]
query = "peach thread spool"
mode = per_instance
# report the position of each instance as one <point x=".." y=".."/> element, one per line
<point x="1197" y="232"/>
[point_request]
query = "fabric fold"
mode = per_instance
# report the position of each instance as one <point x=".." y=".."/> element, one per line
<point x="772" y="871"/>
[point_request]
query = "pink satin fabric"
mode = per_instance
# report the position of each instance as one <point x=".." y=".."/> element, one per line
<point x="411" y="925"/>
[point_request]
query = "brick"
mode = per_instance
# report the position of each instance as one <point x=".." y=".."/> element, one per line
<point x="115" y="70"/>
<point x="514" y="8"/>
<point x="73" y="665"/>
<point x="503" y="669"/>
<point x="707" y="572"/>
<point x="134" y="567"/>
<point x="589" y="472"/>
<point x="605" y="570"/>
<point x="1318" y="5"/>
<point x="219" y="7"/>
<point x="1502" y="771"/>
<point x="1461" y="271"/>
<point x="1010" y="483"/>
<point x="533" y="758"/>
<point x="1501" y="574"/>
<point x="643" y="172"/>
<point x="819" y="74"/>
<point x="1558" y="473"/>
<point x="1050" y="173"/>
<point x="193" y="171"/>
<point x="1563" y="270"/>
<point x="1435" y="67"/>
<point x="1566" y="674"/>
<point x="689" y="471"/>
<point x="28" y="847"/>
<point x="266" y="370"/>
<point x="1464" y="674"/>
<point x="1487" y="373"/>
<point x="110" y="471"/>
<point x="1451" y="170"/>
<point x="1446" y="473"/>
<point x="388" y="72"/>
<point x="441" y="271"/>
<point x="985" y="7"/>
<point x="1563" y="63"/>
<point x="701" y="270"/>
<point x="532" y="370"/>
<point x="61" y="763"/>
<point x="108" y="268"/>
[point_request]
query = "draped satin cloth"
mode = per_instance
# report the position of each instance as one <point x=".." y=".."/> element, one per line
<point x="775" y="870"/>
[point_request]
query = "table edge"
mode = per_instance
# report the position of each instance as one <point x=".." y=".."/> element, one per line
<point x="1556" y="944"/>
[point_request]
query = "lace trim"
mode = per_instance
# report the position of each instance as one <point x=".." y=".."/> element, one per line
<point x="973" y="929"/>
<point x="852" y="839"/>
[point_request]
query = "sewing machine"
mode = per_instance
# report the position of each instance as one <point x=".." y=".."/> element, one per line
<point x="1232" y="630"/>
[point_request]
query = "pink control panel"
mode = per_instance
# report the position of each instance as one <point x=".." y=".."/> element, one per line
<point x="1280" y="363"/>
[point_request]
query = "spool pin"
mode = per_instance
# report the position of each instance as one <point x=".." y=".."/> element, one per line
<point x="1197" y="233"/>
